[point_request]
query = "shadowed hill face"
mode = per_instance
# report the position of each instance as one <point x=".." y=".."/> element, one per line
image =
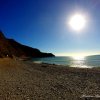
<point x="5" y="47"/>
<point x="1" y="35"/>
<point x="23" y="50"/>
<point x="9" y="47"/>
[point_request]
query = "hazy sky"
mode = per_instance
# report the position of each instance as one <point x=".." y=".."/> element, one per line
<point x="43" y="24"/>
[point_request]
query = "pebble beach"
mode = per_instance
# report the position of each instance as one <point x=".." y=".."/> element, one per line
<point x="24" y="80"/>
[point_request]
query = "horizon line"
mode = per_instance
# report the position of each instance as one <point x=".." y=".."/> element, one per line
<point x="77" y="54"/>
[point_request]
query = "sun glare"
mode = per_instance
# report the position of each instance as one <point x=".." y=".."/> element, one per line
<point x="77" y="22"/>
<point x="78" y="57"/>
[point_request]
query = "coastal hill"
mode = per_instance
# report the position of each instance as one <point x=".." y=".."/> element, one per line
<point x="10" y="48"/>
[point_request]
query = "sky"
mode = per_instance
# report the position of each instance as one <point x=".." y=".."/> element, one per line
<point x="43" y="24"/>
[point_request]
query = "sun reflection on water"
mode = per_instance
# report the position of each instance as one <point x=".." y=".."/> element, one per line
<point x="79" y="61"/>
<point x="78" y="57"/>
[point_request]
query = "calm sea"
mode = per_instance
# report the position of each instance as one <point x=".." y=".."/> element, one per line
<point x="88" y="62"/>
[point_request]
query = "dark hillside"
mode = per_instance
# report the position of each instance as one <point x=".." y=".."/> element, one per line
<point x="9" y="47"/>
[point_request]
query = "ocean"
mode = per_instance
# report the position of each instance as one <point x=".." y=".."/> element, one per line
<point x="87" y="62"/>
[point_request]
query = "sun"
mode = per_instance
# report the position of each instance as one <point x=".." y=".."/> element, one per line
<point x="77" y="22"/>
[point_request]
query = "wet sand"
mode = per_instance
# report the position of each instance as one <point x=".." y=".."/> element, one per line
<point x="23" y="80"/>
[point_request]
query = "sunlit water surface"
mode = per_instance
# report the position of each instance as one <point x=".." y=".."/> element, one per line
<point x="82" y="62"/>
